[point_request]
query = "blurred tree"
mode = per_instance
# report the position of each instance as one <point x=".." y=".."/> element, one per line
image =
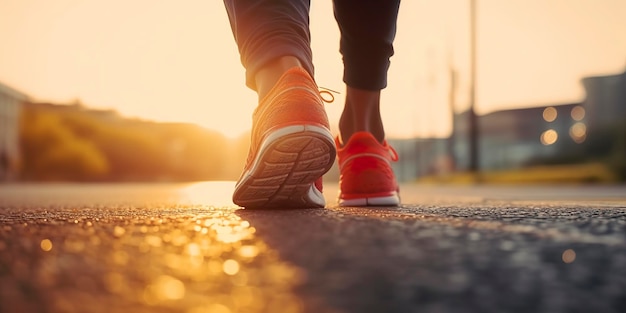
<point x="62" y="142"/>
<point x="51" y="152"/>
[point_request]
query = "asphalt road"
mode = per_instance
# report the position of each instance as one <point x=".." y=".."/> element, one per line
<point x="187" y="248"/>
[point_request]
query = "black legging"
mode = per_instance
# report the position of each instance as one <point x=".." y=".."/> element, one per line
<point x="268" y="29"/>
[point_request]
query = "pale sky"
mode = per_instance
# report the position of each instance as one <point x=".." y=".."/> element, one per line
<point x="177" y="60"/>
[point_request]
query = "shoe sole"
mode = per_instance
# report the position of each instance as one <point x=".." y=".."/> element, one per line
<point x="391" y="200"/>
<point x="285" y="169"/>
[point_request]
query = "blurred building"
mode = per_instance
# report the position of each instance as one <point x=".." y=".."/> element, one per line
<point x="550" y="133"/>
<point x="11" y="102"/>
<point x="605" y="100"/>
<point x="519" y="137"/>
<point x="593" y="129"/>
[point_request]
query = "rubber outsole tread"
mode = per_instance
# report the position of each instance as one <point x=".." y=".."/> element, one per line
<point x="285" y="170"/>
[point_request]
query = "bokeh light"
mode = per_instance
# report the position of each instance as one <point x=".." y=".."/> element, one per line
<point x="549" y="114"/>
<point x="569" y="256"/>
<point x="46" y="245"/>
<point x="549" y="137"/>
<point x="578" y="113"/>
<point x="578" y="132"/>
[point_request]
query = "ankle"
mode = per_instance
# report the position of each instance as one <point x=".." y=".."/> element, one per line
<point x="361" y="114"/>
<point x="270" y="73"/>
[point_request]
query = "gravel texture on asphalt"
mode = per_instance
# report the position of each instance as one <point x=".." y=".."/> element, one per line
<point x="148" y="249"/>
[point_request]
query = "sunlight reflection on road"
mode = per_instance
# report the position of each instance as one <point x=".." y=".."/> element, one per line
<point x="190" y="253"/>
<point x="216" y="193"/>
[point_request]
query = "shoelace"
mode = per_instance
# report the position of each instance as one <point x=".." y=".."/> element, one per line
<point x="394" y="154"/>
<point x="328" y="92"/>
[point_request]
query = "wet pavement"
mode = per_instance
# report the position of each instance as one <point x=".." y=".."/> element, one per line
<point x="187" y="248"/>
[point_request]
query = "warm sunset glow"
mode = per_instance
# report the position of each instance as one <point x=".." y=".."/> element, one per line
<point x="215" y="192"/>
<point x="166" y="61"/>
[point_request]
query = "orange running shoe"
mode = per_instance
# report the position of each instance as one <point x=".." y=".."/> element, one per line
<point x="290" y="149"/>
<point x="367" y="178"/>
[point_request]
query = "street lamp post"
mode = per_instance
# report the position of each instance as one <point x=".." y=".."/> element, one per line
<point x="473" y="121"/>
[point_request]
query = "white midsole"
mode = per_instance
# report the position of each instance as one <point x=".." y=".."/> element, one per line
<point x="392" y="200"/>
